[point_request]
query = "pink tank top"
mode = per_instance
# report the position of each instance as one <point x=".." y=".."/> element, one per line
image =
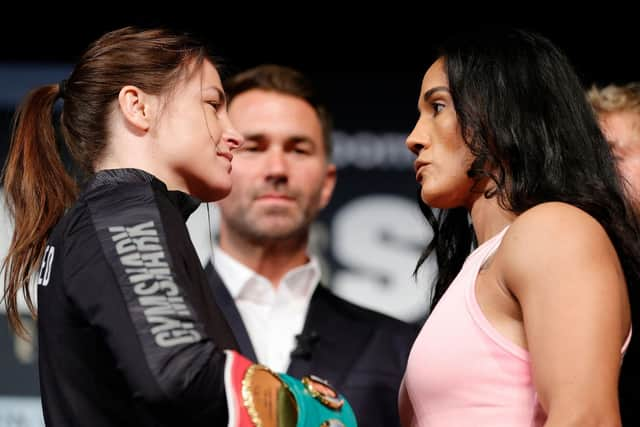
<point x="461" y="370"/>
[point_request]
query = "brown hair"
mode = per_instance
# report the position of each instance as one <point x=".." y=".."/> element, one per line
<point x="38" y="188"/>
<point x="283" y="80"/>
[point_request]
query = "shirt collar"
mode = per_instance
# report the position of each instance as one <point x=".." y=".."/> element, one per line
<point x="301" y="281"/>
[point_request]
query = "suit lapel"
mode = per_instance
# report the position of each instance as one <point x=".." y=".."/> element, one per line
<point x="228" y="307"/>
<point x="340" y="339"/>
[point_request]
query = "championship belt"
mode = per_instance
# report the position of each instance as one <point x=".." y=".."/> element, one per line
<point x="259" y="397"/>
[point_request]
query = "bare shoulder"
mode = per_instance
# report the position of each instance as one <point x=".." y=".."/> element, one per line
<point x="555" y="227"/>
<point x="553" y="237"/>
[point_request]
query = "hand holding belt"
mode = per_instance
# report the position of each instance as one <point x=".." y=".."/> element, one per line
<point x="259" y="397"/>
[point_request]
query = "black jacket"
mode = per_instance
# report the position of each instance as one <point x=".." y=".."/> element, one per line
<point x="129" y="333"/>
<point x="363" y="354"/>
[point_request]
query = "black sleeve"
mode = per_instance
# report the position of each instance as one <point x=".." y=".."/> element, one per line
<point x="119" y="274"/>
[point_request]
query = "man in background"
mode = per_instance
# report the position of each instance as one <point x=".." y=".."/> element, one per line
<point x="262" y="274"/>
<point x="618" y="109"/>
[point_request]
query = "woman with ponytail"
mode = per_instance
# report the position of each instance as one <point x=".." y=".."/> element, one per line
<point x="128" y="331"/>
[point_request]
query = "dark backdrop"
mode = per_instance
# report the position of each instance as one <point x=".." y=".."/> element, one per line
<point x="368" y="65"/>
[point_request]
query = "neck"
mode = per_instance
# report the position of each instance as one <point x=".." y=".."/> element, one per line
<point x="271" y="259"/>
<point x="126" y="151"/>
<point x="489" y="218"/>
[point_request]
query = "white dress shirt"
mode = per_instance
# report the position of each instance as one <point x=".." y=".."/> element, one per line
<point x="272" y="316"/>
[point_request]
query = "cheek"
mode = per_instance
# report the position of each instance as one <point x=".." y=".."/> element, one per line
<point x="202" y="154"/>
<point x="243" y="170"/>
<point x="212" y="127"/>
<point x="213" y="134"/>
<point x="451" y="160"/>
<point x="311" y="177"/>
<point x="446" y="183"/>
<point x="243" y="184"/>
<point x="198" y="129"/>
<point x="191" y="138"/>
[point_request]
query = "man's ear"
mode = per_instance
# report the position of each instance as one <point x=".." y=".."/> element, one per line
<point x="136" y="107"/>
<point x="328" y="185"/>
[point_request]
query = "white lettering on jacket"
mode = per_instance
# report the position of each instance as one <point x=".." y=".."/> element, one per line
<point x="158" y="295"/>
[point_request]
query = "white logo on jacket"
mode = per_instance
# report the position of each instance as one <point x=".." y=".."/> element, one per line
<point x="146" y="267"/>
<point x="45" y="268"/>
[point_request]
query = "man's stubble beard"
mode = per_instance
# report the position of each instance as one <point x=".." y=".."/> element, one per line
<point x="274" y="224"/>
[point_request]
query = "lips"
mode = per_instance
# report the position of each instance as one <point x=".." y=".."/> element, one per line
<point x="419" y="167"/>
<point x="227" y="155"/>
<point x="274" y="196"/>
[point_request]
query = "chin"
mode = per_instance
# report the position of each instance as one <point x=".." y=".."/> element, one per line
<point x="429" y="199"/>
<point x="213" y="195"/>
<point x="437" y="201"/>
<point x="210" y="192"/>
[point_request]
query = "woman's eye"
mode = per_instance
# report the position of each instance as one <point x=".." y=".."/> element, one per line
<point x="214" y="104"/>
<point x="437" y="107"/>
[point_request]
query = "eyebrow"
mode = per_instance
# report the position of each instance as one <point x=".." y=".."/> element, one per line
<point x="433" y="90"/>
<point x="259" y="136"/>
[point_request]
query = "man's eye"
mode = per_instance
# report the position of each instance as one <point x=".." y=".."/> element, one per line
<point x="248" y="146"/>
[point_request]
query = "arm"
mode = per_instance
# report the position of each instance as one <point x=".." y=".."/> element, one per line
<point x="122" y="281"/>
<point x="562" y="268"/>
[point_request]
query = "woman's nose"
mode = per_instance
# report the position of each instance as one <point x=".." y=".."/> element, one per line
<point x="232" y="138"/>
<point x="414" y="143"/>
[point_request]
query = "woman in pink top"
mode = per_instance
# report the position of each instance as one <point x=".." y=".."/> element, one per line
<point x="529" y="328"/>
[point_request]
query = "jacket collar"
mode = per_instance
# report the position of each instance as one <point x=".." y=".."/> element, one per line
<point x="185" y="203"/>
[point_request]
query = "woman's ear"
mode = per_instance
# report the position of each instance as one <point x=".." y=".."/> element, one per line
<point x="136" y="107"/>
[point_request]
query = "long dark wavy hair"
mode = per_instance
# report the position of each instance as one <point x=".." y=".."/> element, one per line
<point x="523" y="113"/>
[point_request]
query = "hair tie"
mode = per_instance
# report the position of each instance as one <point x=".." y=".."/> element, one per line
<point x="62" y="88"/>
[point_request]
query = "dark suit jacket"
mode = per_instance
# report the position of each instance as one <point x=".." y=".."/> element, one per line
<point x="361" y="353"/>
